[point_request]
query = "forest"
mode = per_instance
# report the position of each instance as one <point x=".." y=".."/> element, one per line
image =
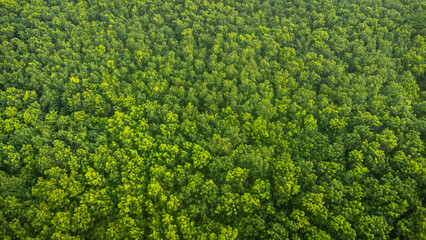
<point x="213" y="119"/>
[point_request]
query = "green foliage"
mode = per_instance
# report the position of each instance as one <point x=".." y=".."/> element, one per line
<point x="194" y="119"/>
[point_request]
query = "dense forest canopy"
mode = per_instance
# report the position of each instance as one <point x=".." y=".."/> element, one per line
<point x="203" y="119"/>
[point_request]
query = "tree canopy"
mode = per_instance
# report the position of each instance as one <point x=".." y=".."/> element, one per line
<point x="212" y="119"/>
